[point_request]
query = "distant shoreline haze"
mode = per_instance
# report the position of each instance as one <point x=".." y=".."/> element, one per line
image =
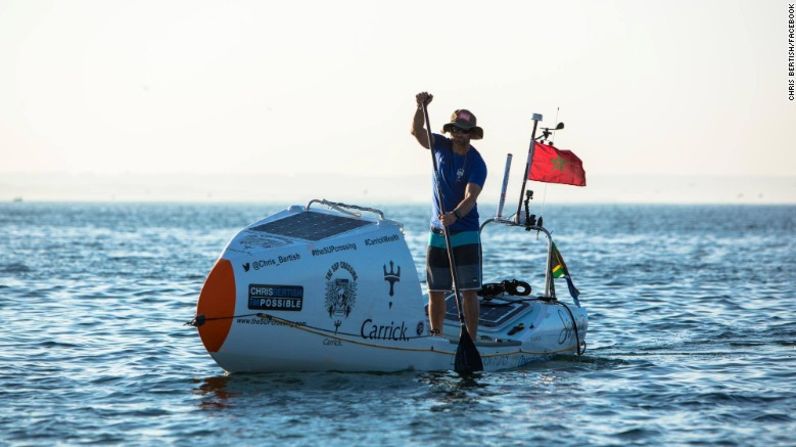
<point x="181" y="187"/>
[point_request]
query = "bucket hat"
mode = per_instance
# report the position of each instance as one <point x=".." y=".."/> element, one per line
<point x="464" y="119"/>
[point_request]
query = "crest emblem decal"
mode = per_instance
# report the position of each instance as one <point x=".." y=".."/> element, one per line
<point x="341" y="290"/>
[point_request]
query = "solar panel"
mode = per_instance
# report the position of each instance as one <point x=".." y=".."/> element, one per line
<point x="311" y="226"/>
<point x="490" y="316"/>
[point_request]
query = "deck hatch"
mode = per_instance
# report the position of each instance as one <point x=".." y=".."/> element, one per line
<point x="311" y="226"/>
<point x="491" y="316"/>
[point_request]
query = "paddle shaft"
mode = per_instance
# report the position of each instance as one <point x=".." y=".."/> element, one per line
<point x="440" y="205"/>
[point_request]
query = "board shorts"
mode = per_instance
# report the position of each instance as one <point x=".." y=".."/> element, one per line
<point x="466" y="255"/>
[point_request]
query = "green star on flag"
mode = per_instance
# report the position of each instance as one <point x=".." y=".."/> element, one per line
<point x="558" y="163"/>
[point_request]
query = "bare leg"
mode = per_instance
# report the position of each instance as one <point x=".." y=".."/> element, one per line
<point x="471" y="311"/>
<point x="436" y="310"/>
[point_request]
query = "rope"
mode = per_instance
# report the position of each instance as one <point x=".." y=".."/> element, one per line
<point x="575" y="327"/>
<point x="512" y="287"/>
<point x="199" y="320"/>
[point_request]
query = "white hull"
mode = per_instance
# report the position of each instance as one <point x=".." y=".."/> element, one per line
<point x="291" y="294"/>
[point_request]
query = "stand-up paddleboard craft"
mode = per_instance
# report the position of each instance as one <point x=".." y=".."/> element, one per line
<point x="333" y="287"/>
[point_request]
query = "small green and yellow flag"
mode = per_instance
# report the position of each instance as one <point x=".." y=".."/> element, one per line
<point x="558" y="268"/>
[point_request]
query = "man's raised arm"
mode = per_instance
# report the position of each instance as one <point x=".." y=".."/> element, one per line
<point x="418" y="123"/>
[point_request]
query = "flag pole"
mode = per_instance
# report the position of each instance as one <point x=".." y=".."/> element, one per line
<point x="504" y="187"/>
<point x="536" y="118"/>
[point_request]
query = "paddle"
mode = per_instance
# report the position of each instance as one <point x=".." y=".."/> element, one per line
<point x="467" y="360"/>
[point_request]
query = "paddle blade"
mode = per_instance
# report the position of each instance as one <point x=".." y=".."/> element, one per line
<point x="467" y="360"/>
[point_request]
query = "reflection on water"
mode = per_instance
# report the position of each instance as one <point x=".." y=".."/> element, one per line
<point x="444" y="389"/>
<point x="214" y="392"/>
<point x="449" y="391"/>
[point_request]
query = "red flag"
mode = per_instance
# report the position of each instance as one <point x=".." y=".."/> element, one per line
<point x="553" y="165"/>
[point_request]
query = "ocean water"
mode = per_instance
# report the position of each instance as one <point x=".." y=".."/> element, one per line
<point x="692" y="336"/>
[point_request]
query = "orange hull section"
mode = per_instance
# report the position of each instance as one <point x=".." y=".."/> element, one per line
<point x="217" y="300"/>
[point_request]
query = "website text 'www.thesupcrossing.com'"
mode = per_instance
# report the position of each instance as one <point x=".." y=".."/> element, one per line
<point x="791" y="79"/>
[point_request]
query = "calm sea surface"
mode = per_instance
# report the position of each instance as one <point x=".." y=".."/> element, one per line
<point x="692" y="336"/>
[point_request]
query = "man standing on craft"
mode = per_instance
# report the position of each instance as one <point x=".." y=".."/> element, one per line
<point x="461" y="173"/>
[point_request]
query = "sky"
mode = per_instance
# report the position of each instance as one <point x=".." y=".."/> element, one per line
<point x="676" y="101"/>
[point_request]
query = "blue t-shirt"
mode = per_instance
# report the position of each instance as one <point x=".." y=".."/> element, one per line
<point x="454" y="172"/>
